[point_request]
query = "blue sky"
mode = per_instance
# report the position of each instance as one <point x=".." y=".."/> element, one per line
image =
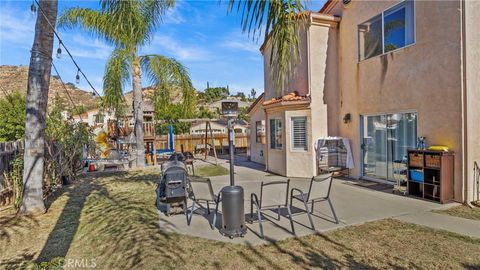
<point x="197" y="33"/>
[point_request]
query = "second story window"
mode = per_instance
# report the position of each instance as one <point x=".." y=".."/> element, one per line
<point x="391" y="30"/>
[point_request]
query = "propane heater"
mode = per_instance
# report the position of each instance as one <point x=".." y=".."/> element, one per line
<point x="233" y="216"/>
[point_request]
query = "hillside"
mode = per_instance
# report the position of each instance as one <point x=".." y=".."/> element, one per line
<point x="14" y="78"/>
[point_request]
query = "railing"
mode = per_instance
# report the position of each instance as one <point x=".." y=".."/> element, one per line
<point x="149" y="129"/>
<point x="192" y="141"/>
<point x="476" y="182"/>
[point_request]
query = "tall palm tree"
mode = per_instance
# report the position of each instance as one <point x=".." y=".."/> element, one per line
<point x="129" y="25"/>
<point x="280" y="20"/>
<point x="36" y="104"/>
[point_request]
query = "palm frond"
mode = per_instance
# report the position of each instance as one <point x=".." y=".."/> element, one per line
<point x="153" y="11"/>
<point x="93" y="21"/>
<point x="283" y="19"/>
<point x="165" y="73"/>
<point x="117" y="74"/>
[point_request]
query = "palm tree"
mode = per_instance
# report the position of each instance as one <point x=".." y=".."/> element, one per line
<point x="283" y="19"/>
<point x="129" y="25"/>
<point x="36" y="105"/>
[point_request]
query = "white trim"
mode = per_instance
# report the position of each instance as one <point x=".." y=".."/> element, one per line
<point x="270" y="135"/>
<point x="292" y="149"/>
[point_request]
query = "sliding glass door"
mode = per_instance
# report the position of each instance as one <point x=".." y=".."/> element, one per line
<point x="386" y="139"/>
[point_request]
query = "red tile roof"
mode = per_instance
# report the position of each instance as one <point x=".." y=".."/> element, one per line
<point x="293" y="96"/>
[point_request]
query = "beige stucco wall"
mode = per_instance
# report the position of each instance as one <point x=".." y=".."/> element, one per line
<point x="299" y="80"/>
<point x="300" y="163"/>
<point x="257" y="150"/>
<point x="424" y="77"/>
<point x="318" y="42"/>
<point x="472" y="73"/>
<point x="323" y="74"/>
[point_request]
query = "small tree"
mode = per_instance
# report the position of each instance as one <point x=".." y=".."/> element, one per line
<point x="253" y="94"/>
<point x="12" y="117"/>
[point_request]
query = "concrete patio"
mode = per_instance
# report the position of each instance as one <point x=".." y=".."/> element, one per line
<point x="355" y="202"/>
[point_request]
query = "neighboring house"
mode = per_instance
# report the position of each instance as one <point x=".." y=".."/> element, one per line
<point x="258" y="137"/>
<point x="218" y="127"/>
<point x="99" y="117"/>
<point x="94" y="117"/>
<point x="217" y="105"/>
<point x="380" y="73"/>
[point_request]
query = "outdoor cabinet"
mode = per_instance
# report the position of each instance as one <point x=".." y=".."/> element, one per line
<point x="430" y="175"/>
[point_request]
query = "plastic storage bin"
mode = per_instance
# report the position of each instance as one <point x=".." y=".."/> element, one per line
<point x="416" y="175"/>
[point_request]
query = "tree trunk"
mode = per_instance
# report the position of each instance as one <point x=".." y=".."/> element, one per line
<point x="37" y="98"/>
<point x="138" y="111"/>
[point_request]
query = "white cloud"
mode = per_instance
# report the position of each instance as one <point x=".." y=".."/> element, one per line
<point x="81" y="46"/>
<point x="240" y="41"/>
<point x="180" y="51"/>
<point x="16" y="29"/>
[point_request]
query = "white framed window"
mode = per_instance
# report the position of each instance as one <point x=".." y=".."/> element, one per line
<point x="275" y="134"/>
<point x="260" y="132"/>
<point x="299" y="133"/>
<point x="391" y="30"/>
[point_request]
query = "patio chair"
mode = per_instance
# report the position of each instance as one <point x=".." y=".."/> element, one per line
<point x="201" y="191"/>
<point x="319" y="190"/>
<point x="272" y="196"/>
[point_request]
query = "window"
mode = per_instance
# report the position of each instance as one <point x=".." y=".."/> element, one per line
<point x="391" y="30"/>
<point x="299" y="133"/>
<point x="260" y="132"/>
<point x="99" y="118"/>
<point x="275" y="134"/>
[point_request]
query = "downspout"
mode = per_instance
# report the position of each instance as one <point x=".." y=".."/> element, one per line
<point x="464" y="109"/>
<point x="267" y="136"/>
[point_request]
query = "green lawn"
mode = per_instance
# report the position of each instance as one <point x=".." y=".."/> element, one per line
<point x="111" y="218"/>
<point x="210" y="170"/>
<point x="462" y="211"/>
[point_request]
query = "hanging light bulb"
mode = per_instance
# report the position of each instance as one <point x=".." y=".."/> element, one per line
<point x="59" y="52"/>
<point x="77" y="78"/>
<point x="33" y="8"/>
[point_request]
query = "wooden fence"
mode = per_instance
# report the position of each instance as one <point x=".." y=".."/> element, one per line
<point x="191" y="142"/>
<point x="8" y="152"/>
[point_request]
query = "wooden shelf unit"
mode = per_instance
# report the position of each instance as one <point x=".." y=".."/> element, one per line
<point x="438" y="178"/>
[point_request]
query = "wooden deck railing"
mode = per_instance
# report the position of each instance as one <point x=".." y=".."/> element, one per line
<point x="191" y="141"/>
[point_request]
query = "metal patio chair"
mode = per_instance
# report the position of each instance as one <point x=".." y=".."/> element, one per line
<point x="272" y="196"/>
<point x="201" y="191"/>
<point x="319" y="190"/>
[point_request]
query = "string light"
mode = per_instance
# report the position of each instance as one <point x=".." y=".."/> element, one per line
<point x="79" y="70"/>
<point x="33" y="8"/>
<point x="77" y="78"/>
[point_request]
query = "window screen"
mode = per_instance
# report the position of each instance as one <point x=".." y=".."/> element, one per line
<point x="299" y="133"/>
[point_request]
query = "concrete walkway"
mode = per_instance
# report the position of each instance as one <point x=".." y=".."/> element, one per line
<point x="458" y="225"/>
<point x="354" y="204"/>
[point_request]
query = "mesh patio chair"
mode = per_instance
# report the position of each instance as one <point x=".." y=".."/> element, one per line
<point x="272" y="196"/>
<point x="201" y="191"/>
<point x="319" y="190"/>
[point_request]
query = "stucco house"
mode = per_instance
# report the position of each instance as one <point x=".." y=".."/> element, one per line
<point x="380" y="73"/>
<point x="258" y="139"/>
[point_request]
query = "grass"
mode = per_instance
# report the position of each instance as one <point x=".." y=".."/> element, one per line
<point x="111" y="218"/>
<point x="462" y="211"/>
<point x="210" y="170"/>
